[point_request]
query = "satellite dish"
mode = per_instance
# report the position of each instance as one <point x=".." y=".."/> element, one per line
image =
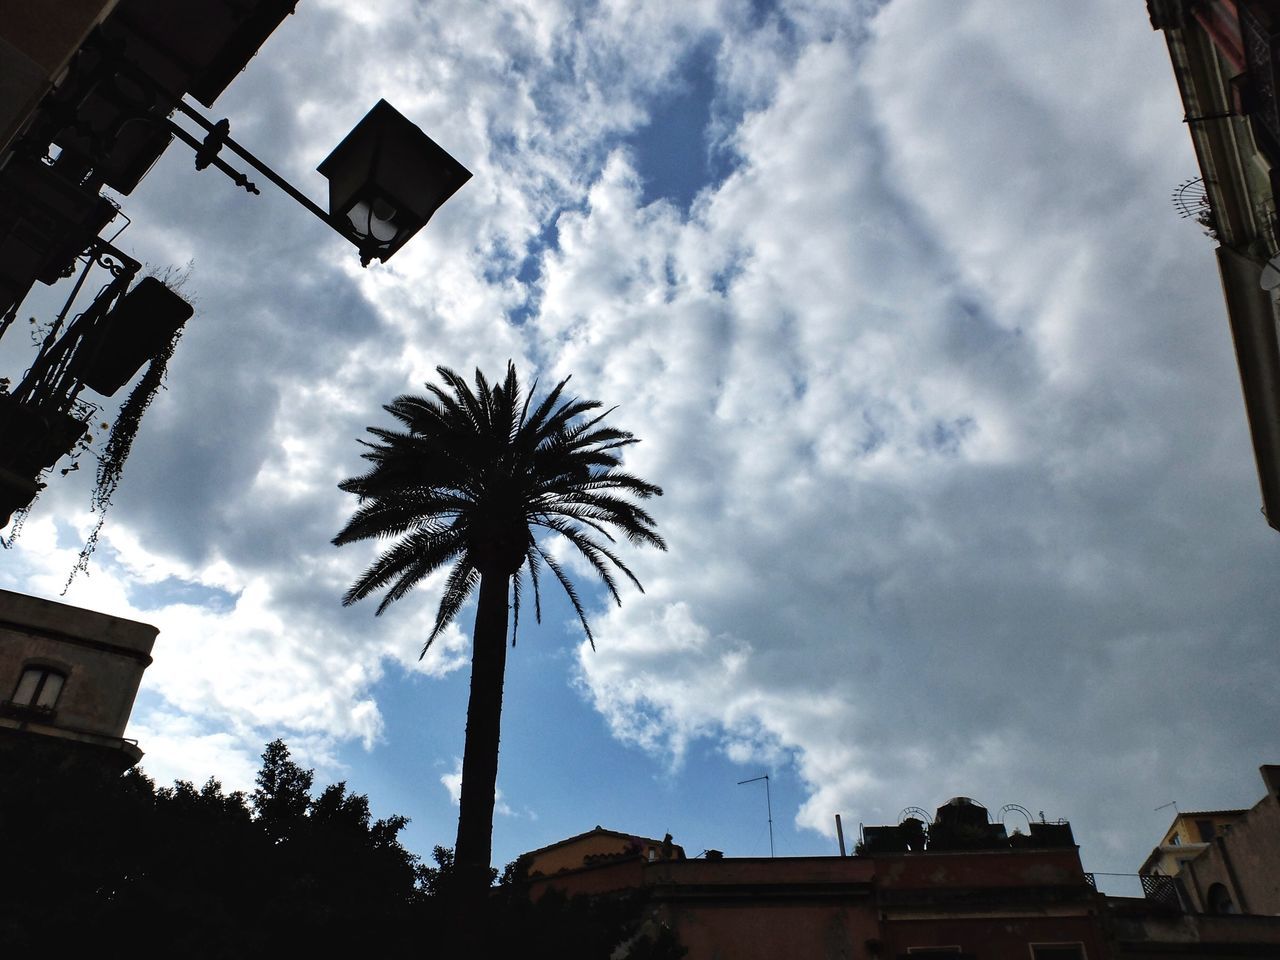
<point x="1270" y="278"/>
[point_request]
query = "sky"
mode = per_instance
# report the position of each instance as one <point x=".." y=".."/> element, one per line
<point x="958" y="487"/>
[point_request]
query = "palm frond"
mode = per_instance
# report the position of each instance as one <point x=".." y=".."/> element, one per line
<point x="531" y="564"/>
<point x="471" y="469"/>
<point x="417" y="554"/>
<point x="595" y="554"/>
<point x="461" y="581"/>
<point x="569" y="590"/>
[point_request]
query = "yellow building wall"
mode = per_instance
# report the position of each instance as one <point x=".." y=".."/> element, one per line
<point x="575" y="853"/>
<point x="1186" y="827"/>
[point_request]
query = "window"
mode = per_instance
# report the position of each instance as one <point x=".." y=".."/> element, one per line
<point x="38" y="687"/>
<point x="1057" y="951"/>
<point x="1206" y="830"/>
<point x="1175" y="841"/>
<point x="1220" y="901"/>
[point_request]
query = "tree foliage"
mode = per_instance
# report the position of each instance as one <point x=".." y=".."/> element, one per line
<point x="111" y="866"/>
<point x="199" y="872"/>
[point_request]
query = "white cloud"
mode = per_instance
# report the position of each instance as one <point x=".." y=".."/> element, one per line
<point x="178" y="747"/>
<point x="452" y="782"/>
<point x="935" y="477"/>
<point x="958" y="490"/>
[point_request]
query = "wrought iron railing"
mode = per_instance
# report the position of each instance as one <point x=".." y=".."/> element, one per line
<point x="1161" y="890"/>
<point x="1157" y="889"/>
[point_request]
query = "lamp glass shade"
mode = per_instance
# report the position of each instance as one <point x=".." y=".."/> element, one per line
<point x="386" y="179"/>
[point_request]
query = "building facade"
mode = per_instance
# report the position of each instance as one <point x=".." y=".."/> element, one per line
<point x="69" y="678"/>
<point x="974" y="894"/>
<point x="598" y="846"/>
<point x="1226" y="61"/>
<point x="954" y="885"/>
<point x="1187" y="837"/>
<point x="1228" y="862"/>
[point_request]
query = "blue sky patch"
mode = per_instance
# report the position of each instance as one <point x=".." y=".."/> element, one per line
<point x="672" y="153"/>
<point x="175" y="590"/>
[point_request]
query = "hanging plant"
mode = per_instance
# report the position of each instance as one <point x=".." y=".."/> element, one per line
<point x="119" y="443"/>
<point x="125" y="429"/>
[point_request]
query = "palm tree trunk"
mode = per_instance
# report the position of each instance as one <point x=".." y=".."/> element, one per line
<point x="474" y="847"/>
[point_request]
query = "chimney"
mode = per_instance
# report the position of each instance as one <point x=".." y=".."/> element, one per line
<point x="1271" y="779"/>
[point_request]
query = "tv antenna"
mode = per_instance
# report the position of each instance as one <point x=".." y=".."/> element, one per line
<point x="917" y="813"/>
<point x="1191" y="198"/>
<point x="768" y="804"/>
<point x="1171" y="803"/>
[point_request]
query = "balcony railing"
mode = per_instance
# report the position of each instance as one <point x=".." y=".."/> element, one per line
<point x="1162" y="890"/>
<point x="27" y="712"/>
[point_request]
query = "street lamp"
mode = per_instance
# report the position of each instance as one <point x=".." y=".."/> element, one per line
<point x="115" y="115"/>
<point x="386" y="178"/>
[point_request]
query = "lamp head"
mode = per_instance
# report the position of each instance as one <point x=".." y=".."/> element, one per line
<point x="386" y="179"/>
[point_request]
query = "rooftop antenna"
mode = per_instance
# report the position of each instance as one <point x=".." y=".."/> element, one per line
<point x="1171" y="803"/>
<point x="1191" y="198"/>
<point x="768" y="804"/>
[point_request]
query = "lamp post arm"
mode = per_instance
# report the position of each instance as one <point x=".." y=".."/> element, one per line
<point x="218" y="137"/>
<point x="163" y="102"/>
<point x="253" y="161"/>
<point x="236" y="176"/>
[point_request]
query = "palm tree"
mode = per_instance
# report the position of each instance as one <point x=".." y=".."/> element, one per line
<point x="463" y="485"/>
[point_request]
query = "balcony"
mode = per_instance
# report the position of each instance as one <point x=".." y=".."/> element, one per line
<point x="1156" y="890"/>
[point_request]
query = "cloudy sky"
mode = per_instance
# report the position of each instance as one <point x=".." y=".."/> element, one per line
<point x="959" y="493"/>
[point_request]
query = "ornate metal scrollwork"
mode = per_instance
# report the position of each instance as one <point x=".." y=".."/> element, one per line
<point x="112" y="260"/>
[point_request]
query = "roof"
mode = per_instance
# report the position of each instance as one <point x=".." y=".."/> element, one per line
<point x="597" y="832"/>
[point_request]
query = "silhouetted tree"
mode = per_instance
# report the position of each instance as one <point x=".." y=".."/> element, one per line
<point x="102" y="865"/>
<point x="556" y="927"/>
<point x="463" y="486"/>
<point x="110" y="865"/>
<point x="283" y="794"/>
